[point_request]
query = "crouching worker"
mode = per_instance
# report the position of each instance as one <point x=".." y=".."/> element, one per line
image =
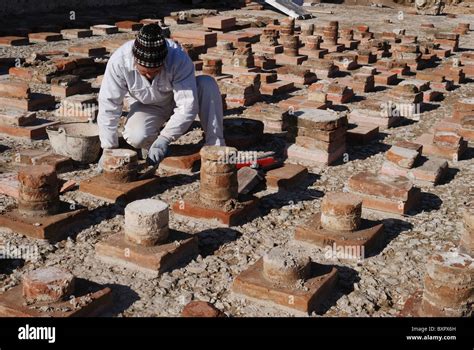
<point x="157" y="76"/>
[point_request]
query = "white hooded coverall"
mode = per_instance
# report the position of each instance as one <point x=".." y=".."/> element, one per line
<point x="175" y="95"/>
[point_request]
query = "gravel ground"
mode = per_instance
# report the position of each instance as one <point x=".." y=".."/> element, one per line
<point x="376" y="286"/>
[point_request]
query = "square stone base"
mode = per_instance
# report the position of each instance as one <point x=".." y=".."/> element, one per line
<point x="311" y="157"/>
<point x="384" y="193"/>
<point x="362" y="134"/>
<point x="252" y="284"/>
<point x="276" y="88"/>
<point x="286" y="177"/>
<point x="184" y="159"/>
<point x="283" y="59"/>
<point x="367" y="239"/>
<point x="92" y="300"/>
<point x="52" y="228"/>
<point x="37" y="130"/>
<point x="179" y="248"/>
<point x="191" y="206"/>
<point x="98" y="186"/>
<point x="432" y="149"/>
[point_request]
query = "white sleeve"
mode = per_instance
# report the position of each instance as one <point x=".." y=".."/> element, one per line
<point x="185" y="97"/>
<point x="111" y="95"/>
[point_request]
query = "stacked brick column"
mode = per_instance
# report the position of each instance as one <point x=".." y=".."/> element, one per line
<point x="341" y="212"/>
<point x="120" y="165"/>
<point x="448" y="286"/>
<point x="146" y="222"/>
<point x="218" y="175"/>
<point x="466" y="245"/>
<point x="281" y="267"/>
<point x="49" y="284"/>
<point x="39" y="190"/>
<point x="320" y="135"/>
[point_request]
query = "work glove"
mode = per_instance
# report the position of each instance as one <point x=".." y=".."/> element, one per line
<point x="158" y="150"/>
<point x="100" y="164"/>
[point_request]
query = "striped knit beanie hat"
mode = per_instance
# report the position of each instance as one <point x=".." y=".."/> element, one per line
<point x="150" y="47"/>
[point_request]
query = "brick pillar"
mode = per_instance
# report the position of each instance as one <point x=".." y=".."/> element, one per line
<point x="218" y="175"/>
<point x="39" y="190"/>
<point x="283" y="267"/>
<point x="120" y="165"/>
<point x="287" y="26"/>
<point x="49" y="284"/>
<point x="307" y="29"/>
<point x="347" y="34"/>
<point x="146" y="222"/>
<point x="290" y="44"/>
<point x="312" y="42"/>
<point x="212" y="66"/>
<point x="466" y="245"/>
<point x="330" y="33"/>
<point x="463" y="107"/>
<point x="448" y="286"/>
<point x="269" y="37"/>
<point x="341" y="211"/>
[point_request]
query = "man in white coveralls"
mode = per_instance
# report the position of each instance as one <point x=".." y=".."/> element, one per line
<point x="157" y="76"/>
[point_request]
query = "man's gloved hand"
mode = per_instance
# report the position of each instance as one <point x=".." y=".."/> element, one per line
<point x="158" y="150"/>
<point x="100" y="164"/>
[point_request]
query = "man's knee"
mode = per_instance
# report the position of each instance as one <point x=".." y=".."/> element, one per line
<point x="206" y="84"/>
<point x="135" y="134"/>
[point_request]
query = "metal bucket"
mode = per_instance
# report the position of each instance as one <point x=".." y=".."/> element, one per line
<point x="79" y="141"/>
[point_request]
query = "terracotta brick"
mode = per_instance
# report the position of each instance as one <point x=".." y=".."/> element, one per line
<point x="319" y="284"/>
<point x="314" y="156"/>
<point x="219" y="22"/>
<point x="99" y="186"/>
<point x="358" y="244"/>
<point x="196" y="37"/>
<point x="13" y="41"/>
<point x="197" y="308"/>
<point x="286" y="177"/>
<point x="284" y="59"/>
<point x="384" y="193"/>
<point x="44" y="37"/>
<point x="50" y="227"/>
<point x="40" y="157"/>
<point x="403" y="157"/>
<point x="319" y="119"/>
<point x="448" y="285"/>
<point x="49" y="284"/>
<point x="191" y="206"/>
<point x="76" y="33"/>
<point x="128" y="26"/>
<point x="90" y="299"/>
<point x="81" y="87"/>
<point x="341" y="211"/>
<point x="362" y="134"/>
<point x="182" y="158"/>
<point x="14" y="89"/>
<point x="88" y="50"/>
<point x="386" y="78"/>
<point x="21" y="73"/>
<point x="103" y="29"/>
<point x="154" y="260"/>
<point x="35" y="102"/>
<point x="432" y="149"/>
<point x="431" y="171"/>
<point x="247" y="178"/>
